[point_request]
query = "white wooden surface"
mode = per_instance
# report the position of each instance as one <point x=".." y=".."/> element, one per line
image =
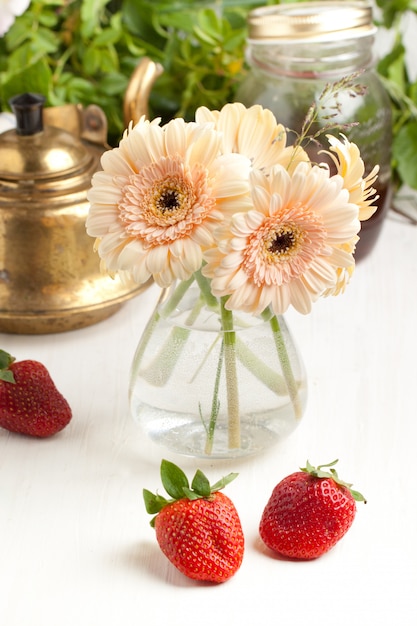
<point x="75" y="545"/>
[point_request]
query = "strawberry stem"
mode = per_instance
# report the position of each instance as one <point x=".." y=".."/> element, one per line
<point x="177" y="486"/>
<point x="318" y="472"/>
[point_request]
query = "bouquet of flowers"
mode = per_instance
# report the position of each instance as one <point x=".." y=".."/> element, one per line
<point x="226" y="202"/>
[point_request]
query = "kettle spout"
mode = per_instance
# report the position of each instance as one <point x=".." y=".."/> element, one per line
<point x="136" y="98"/>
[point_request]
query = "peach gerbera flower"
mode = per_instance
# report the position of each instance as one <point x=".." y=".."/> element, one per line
<point x="288" y="249"/>
<point x="160" y="195"/>
<point x="343" y="274"/>
<point x="255" y="133"/>
<point x="349" y="164"/>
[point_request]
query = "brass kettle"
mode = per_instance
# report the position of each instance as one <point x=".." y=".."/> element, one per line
<point x="50" y="278"/>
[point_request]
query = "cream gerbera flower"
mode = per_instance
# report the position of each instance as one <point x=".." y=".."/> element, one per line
<point x="9" y="10"/>
<point x="343" y="274"/>
<point x="288" y="249"/>
<point x="160" y="195"/>
<point x="255" y="133"/>
<point x="349" y="164"/>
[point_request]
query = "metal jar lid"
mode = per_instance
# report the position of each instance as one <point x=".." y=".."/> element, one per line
<point x="311" y="21"/>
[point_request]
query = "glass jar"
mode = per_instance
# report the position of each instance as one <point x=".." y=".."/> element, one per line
<point x="294" y="51"/>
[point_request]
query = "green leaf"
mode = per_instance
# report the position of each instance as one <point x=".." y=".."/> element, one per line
<point x="357" y="496"/>
<point x="393" y="66"/>
<point x="106" y="37"/>
<point x="210" y="22"/>
<point x="7" y="376"/>
<point x="20" y="31"/>
<point x="201" y="484"/>
<point x="191" y="495"/>
<point x="48" y="18"/>
<point x="173" y="479"/>
<point x="45" y="41"/>
<point x="393" y="9"/>
<point x="91" y="60"/>
<point x="91" y="11"/>
<point x="153" y="502"/>
<point x="224" y="481"/>
<point x="318" y="472"/>
<point x="35" y="78"/>
<point x="5" y="361"/>
<point x="109" y="60"/>
<point x="404" y="152"/>
<point x="80" y="90"/>
<point x="113" y="84"/>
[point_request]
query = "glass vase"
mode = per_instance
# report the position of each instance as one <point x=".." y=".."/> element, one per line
<point x="207" y="382"/>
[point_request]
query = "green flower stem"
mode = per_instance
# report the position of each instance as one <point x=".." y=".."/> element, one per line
<point x="159" y="372"/>
<point x="267" y="375"/>
<point x="147" y="334"/>
<point x="166" y="310"/>
<point x="205" y="288"/>
<point x="286" y="366"/>
<point x="231" y="375"/>
<point x="176" y="297"/>
<point x="215" y="405"/>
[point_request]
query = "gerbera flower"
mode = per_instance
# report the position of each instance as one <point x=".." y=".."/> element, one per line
<point x="288" y="249"/>
<point x="349" y="164"/>
<point x="255" y="133"/>
<point x="9" y="10"/>
<point x="160" y="194"/>
<point x="343" y="274"/>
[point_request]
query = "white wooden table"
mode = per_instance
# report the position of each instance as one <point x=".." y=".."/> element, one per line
<point x="76" y="548"/>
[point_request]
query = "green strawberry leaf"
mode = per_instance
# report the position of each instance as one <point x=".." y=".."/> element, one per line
<point x="318" y="472"/>
<point x="5" y="361"/>
<point x="357" y="496"/>
<point x="173" y="479"/>
<point x="153" y="502"/>
<point x="177" y="486"/>
<point x="201" y="485"/>
<point x="7" y="376"/>
<point x="191" y="495"/>
<point x="223" y="482"/>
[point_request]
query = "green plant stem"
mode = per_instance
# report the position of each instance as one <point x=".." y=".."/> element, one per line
<point x="286" y="366"/>
<point x="215" y="404"/>
<point x="267" y="375"/>
<point x="176" y="297"/>
<point x="205" y="288"/>
<point x="160" y="370"/>
<point x="166" y="310"/>
<point x="231" y="375"/>
<point x="147" y="334"/>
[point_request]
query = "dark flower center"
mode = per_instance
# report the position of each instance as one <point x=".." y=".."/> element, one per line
<point x="169" y="200"/>
<point x="282" y="241"/>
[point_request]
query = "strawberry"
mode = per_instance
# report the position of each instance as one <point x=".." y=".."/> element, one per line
<point x="308" y="512"/>
<point x="30" y="403"/>
<point x="198" y="529"/>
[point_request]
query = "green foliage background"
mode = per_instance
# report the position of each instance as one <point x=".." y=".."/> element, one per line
<point x="86" y="50"/>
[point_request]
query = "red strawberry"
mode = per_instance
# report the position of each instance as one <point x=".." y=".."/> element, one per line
<point x="308" y="512"/>
<point x="199" y="529"/>
<point x="30" y="403"/>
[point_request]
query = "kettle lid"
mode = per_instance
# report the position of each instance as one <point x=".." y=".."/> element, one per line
<point x="32" y="151"/>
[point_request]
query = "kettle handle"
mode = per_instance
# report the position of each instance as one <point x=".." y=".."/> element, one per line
<point x="136" y="98"/>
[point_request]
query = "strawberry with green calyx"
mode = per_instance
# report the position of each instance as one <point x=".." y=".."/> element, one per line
<point x="30" y="403"/>
<point x="197" y="528"/>
<point x="308" y="512"/>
